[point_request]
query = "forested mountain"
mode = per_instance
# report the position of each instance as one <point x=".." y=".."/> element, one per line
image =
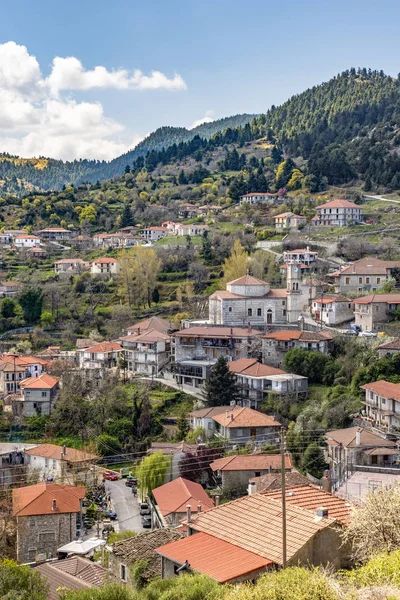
<point x="18" y="175"/>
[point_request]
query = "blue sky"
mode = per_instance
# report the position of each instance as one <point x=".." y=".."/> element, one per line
<point x="231" y="57"/>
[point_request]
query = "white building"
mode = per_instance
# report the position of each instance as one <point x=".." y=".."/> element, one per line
<point x="303" y="255"/>
<point x="26" y="241"/>
<point x="332" y="309"/>
<point x="204" y="418"/>
<point x="193" y="229"/>
<point x="103" y="355"/>
<point x="289" y="220"/>
<point x="256" y="197"/>
<point x="148" y="352"/>
<point x="105" y="266"/>
<point x="59" y="463"/>
<point x="338" y="213"/>
<point x="382" y="404"/>
<point x="8" y="236"/>
<point x="152" y="234"/>
<point x="56" y="234"/>
<point x="70" y="266"/>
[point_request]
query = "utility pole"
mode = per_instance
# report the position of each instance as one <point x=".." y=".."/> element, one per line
<point x="283" y="473"/>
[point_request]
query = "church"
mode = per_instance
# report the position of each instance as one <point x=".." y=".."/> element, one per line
<point x="249" y="301"/>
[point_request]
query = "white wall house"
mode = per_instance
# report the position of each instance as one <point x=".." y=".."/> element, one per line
<point x="60" y="463"/>
<point x="204" y="418"/>
<point x="338" y="213"/>
<point x="105" y="266"/>
<point x="104" y="355"/>
<point x="146" y="352"/>
<point x="332" y="309"/>
<point x="26" y="241"/>
<point x="303" y="255"/>
<point x="70" y="266"/>
<point x="382" y="404"/>
<point x="289" y="220"/>
<point x="256" y="197"/>
<point x="152" y="234"/>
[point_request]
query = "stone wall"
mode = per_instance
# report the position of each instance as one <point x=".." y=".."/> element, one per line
<point x="44" y="534"/>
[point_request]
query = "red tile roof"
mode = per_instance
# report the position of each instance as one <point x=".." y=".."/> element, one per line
<point x="103" y="347"/>
<point x="151" y="323"/>
<point x="215" y="332"/>
<point x="201" y="413"/>
<point x="393" y="345"/>
<point x="331" y="298"/>
<point x="44" y="381"/>
<point x="245" y="417"/>
<point x="376" y="298"/>
<point x="22" y="360"/>
<point x="57" y="452"/>
<point x="253" y="368"/>
<point x="339" y="203"/>
<point x="311" y="498"/>
<point x="38" y="499"/>
<point x="105" y="260"/>
<point x="384" y="388"/>
<point x="214" y="557"/>
<point x="150" y="336"/>
<point x="251" y="462"/>
<point x="347" y="437"/>
<point x="304" y="336"/>
<point x="247" y="280"/>
<point x="367" y="266"/>
<point x="177" y="494"/>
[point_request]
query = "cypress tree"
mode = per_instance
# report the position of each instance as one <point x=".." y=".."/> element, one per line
<point x="221" y="387"/>
<point x="127" y="216"/>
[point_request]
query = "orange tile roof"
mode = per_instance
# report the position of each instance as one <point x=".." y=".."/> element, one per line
<point x="385" y="298"/>
<point x="245" y="417"/>
<point x="311" y="498"/>
<point x="151" y="323"/>
<point x="300" y="251"/>
<point x="177" y="494"/>
<point x="367" y="266"/>
<point x="105" y="260"/>
<point x="247" y="280"/>
<point x="150" y="336"/>
<point x="277" y="293"/>
<point x="216" y="332"/>
<point x="286" y="335"/>
<point x="214" y="557"/>
<point x="103" y="347"/>
<point x="286" y="214"/>
<point x="347" y="437"/>
<point x="339" y="203"/>
<point x="384" y="388"/>
<point x="201" y="413"/>
<point x="253" y="368"/>
<point x="27" y="237"/>
<point x="44" y="381"/>
<point x="393" y="345"/>
<point x="22" y="360"/>
<point x="255" y="523"/>
<point x="55" y="452"/>
<point x="331" y="298"/>
<point x="38" y="499"/>
<point x="251" y="462"/>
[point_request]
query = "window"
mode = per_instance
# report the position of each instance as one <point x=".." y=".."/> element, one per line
<point x="378" y="280"/>
<point x="249" y="312"/>
<point x="347" y="280"/>
<point x="229" y="308"/>
<point x="32" y="522"/>
<point x="257" y="474"/>
<point x="209" y="426"/>
<point x="367" y="280"/>
<point x="54" y="464"/>
<point x="47" y="537"/>
<point x="284" y="312"/>
<point x="360" y="280"/>
<point x="283" y="302"/>
<point x="259" y="312"/>
<point x="44" y="394"/>
<point x="123" y="572"/>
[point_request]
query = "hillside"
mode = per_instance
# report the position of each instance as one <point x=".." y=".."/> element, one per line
<point x="20" y="175"/>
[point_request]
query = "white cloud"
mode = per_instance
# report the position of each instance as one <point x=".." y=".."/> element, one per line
<point x="208" y="118"/>
<point x="35" y="119"/>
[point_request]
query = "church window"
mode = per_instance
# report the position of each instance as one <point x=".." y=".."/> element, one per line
<point x="249" y="312"/>
<point x="259" y="312"/>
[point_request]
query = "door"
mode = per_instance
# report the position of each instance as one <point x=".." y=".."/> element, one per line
<point x="269" y="317"/>
<point x="253" y="432"/>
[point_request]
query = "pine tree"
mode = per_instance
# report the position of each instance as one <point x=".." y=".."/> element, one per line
<point x="182" y="178"/>
<point x="276" y="155"/>
<point x="155" y="296"/>
<point x="127" y="219"/>
<point x="127" y="169"/>
<point x="221" y="387"/>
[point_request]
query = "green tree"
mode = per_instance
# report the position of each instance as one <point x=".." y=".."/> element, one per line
<point x="221" y="387"/>
<point x="151" y="472"/>
<point x="236" y="264"/>
<point x="108" y="445"/>
<point x="313" y="460"/>
<point x="8" y="308"/>
<point x="21" y="583"/>
<point x="182" y="427"/>
<point x="88" y="214"/>
<point x="155" y="296"/>
<point x="127" y="219"/>
<point x="47" y="319"/>
<point x="31" y="301"/>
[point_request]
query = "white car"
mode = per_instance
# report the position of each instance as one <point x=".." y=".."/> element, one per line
<point x="367" y="334"/>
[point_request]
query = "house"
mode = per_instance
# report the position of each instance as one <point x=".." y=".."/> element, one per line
<point x="192" y="229"/>
<point x="382" y="405"/>
<point x="82" y="242"/>
<point x="187" y="210"/>
<point x="256" y="197"/>
<point x="102" y="240"/>
<point x="273" y="481"/>
<point x="370" y="311"/>
<point x="303" y="255"/>
<point x="276" y="344"/>
<point x="152" y="234"/>
<point x="37" y="252"/>
<point x="161" y="325"/>
<point x="289" y="220"/>
<point x="12" y="463"/>
<point x="146" y="353"/>
<point x="37" y="396"/>
<point x="104" y="355"/>
<point x="140" y="550"/>
<point x="239" y="540"/>
<point x="248" y="301"/>
<point x="60" y="463"/>
<point x="74" y="573"/>
<point x="203" y="417"/>
<point x="10" y="289"/>
<point x="55" y="234"/>
<point x="364" y="275"/>
<point x="338" y="213"/>
<point x="26" y="241"/>
<point x="70" y="266"/>
<point x="352" y="446"/>
<point x="15" y="368"/>
<point x="173" y="498"/>
<point x="105" y="266"/>
<point x="34" y="364"/>
<point x="8" y="236"/>
<point x="234" y="472"/>
<point x="388" y="348"/>
<point x="255" y="380"/>
<point x="242" y="425"/>
<point x="332" y="309"/>
<point x="47" y="516"/>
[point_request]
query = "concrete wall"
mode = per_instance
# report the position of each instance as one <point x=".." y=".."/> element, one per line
<point x="43" y="534"/>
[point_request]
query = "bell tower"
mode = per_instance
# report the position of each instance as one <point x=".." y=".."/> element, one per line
<point x="294" y="292"/>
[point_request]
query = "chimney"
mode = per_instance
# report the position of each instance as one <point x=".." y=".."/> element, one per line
<point x="138" y="330"/>
<point x="216" y="500"/>
<point x="64" y="449"/>
<point x="269" y="468"/>
<point x="54" y="505"/>
<point x="231" y="416"/>
<point x="249" y="328"/>
<point x="199" y="507"/>
<point x="226" y="414"/>
<point x="252" y="488"/>
<point x="322" y="512"/>
<point x="327" y="482"/>
<point x="358" y="437"/>
<point x="188" y="513"/>
<point x="231" y="331"/>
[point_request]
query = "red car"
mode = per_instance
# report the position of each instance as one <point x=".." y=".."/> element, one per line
<point x="110" y="476"/>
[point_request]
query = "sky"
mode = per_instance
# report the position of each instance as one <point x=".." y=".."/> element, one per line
<point x="90" y="79"/>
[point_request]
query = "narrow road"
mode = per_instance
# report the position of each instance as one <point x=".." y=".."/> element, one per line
<point x="125" y="505"/>
<point x="382" y="199"/>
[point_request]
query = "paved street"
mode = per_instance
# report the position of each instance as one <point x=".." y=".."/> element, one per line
<point x="125" y="505"/>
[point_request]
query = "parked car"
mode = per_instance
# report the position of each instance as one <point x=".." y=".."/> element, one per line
<point x="367" y="334"/>
<point x="144" y="509"/>
<point x="131" y="482"/>
<point x="146" y="521"/>
<point x="111" y="514"/>
<point x="110" y="476"/>
<point x="351" y="332"/>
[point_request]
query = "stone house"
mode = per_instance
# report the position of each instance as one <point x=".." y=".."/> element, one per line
<point x="26" y="241"/>
<point x="238" y="541"/>
<point x="70" y="266"/>
<point x="365" y="275"/>
<point x="56" y="234"/>
<point x="242" y="425"/>
<point x="338" y="213"/>
<point x="47" y="516"/>
<point x="126" y="554"/>
<point x="37" y="396"/>
<point x="105" y="267"/>
<point x="371" y="311"/>
<point x="10" y="289"/>
<point x="203" y="417"/>
<point x="289" y="220"/>
<point x="388" y="348"/>
<point x="60" y="463"/>
<point x="146" y="353"/>
<point x="382" y="407"/>
<point x="255" y="380"/>
<point x="248" y="301"/>
<point x="352" y="446"/>
<point x="104" y="355"/>
<point x="172" y="499"/>
<point x="333" y="309"/>
<point x="234" y="472"/>
<point x="276" y="344"/>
